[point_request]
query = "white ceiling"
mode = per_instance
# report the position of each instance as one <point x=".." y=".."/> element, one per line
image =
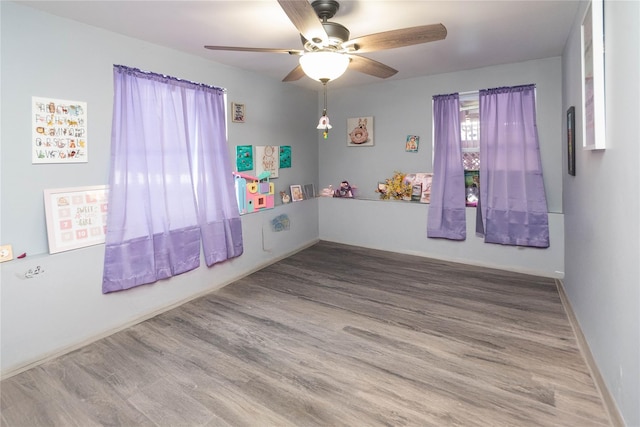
<point x="480" y="33"/>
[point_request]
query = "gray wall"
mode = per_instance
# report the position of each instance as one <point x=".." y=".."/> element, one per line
<point x="64" y="308"/>
<point x="47" y="56"/>
<point x="401" y="108"/>
<point x="601" y="204"/>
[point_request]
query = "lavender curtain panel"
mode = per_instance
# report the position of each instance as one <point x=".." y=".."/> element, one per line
<point x="513" y="200"/>
<point x="447" y="212"/>
<point x="170" y="187"/>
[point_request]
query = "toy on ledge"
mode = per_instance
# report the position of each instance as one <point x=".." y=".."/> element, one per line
<point x="285" y="197"/>
<point x="327" y="192"/>
<point x="345" y="190"/>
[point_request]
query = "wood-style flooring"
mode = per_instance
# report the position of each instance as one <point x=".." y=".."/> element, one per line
<point x="334" y="335"/>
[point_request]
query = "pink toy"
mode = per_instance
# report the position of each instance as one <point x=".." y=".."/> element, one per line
<point x="254" y="193"/>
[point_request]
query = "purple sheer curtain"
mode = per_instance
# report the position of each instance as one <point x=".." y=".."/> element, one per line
<point x="513" y="199"/>
<point x="170" y="183"/>
<point x="447" y="212"/>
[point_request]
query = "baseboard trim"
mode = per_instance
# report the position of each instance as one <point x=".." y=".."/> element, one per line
<point x="610" y="405"/>
<point x="435" y="256"/>
<point x="64" y="350"/>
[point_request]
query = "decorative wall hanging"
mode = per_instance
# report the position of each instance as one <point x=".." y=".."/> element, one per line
<point x="285" y="156"/>
<point x="244" y="157"/>
<point x="412" y="143"/>
<point x="59" y="131"/>
<point x="593" y="91"/>
<point x="254" y="193"/>
<point x="571" y="141"/>
<point x="360" y="132"/>
<point x="267" y="159"/>
<point x="237" y="112"/>
<point x="280" y="223"/>
<point x="76" y="217"/>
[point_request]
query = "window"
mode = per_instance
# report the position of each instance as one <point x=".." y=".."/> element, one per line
<point x="470" y="131"/>
<point x="509" y="188"/>
<point x="171" y="190"/>
<point x="470" y="142"/>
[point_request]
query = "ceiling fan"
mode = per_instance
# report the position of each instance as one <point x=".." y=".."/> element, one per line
<point x="327" y="48"/>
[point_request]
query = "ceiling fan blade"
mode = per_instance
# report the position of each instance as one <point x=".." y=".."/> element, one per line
<point x="295" y="74"/>
<point x="398" y="38"/>
<point x="371" y="67"/>
<point x="304" y="18"/>
<point x="255" y="49"/>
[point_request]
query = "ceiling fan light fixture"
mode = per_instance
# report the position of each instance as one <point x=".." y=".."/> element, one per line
<point x="324" y="65"/>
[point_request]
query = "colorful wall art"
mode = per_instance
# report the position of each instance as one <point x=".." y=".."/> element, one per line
<point x="360" y="132"/>
<point x="285" y="156"/>
<point x="76" y="217"/>
<point x="412" y="143"/>
<point x="254" y="193"/>
<point x="59" y="131"/>
<point x="281" y="223"/>
<point x="237" y="112"/>
<point x="268" y="159"/>
<point x="244" y="158"/>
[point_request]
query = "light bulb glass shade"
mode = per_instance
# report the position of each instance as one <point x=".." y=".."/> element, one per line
<point x="324" y="65"/>
<point x="324" y="123"/>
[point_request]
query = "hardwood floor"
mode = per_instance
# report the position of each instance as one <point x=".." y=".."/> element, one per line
<point x="333" y="336"/>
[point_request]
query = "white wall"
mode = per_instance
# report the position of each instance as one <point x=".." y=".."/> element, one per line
<point x="402" y="108"/>
<point x="602" y="232"/>
<point x="48" y="56"/>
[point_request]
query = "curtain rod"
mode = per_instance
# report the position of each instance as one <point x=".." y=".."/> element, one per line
<point x="152" y="74"/>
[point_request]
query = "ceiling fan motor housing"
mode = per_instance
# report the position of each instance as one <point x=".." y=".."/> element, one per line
<point x="325" y="9"/>
<point x="337" y="33"/>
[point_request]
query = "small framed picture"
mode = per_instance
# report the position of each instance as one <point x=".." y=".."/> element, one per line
<point x="360" y="132"/>
<point x="237" y="112"/>
<point x="296" y="193"/>
<point x="412" y="143"/>
<point x="308" y="191"/>
<point x="571" y="141"/>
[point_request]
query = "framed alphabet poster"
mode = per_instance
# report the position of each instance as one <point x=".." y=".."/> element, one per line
<point x="76" y="217"/>
<point x="59" y="131"/>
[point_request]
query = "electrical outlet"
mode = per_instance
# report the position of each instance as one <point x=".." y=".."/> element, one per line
<point x="6" y="253"/>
